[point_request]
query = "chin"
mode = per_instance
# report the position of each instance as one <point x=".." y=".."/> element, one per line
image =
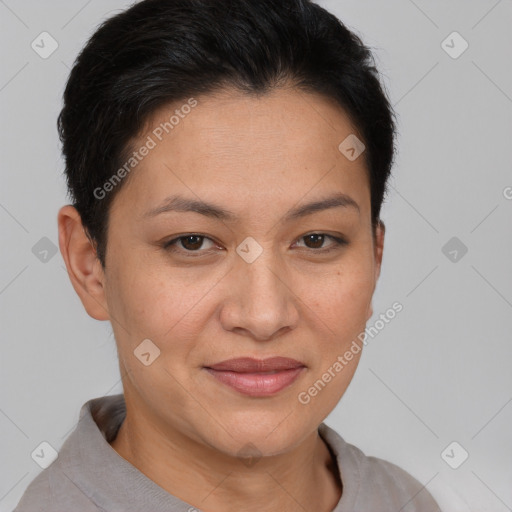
<point x="259" y="436"/>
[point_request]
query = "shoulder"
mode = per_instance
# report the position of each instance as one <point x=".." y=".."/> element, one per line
<point x="36" y="495"/>
<point x="64" y="484"/>
<point x="51" y="488"/>
<point x="371" y="483"/>
<point x="383" y="478"/>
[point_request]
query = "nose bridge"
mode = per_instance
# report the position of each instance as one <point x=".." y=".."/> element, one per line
<point x="264" y="282"/>
<point x="260" y="300"/>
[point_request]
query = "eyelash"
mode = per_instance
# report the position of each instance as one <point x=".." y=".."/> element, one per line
<point x="171" y="245"/>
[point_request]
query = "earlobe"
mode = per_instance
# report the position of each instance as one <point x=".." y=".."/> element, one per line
<point x="83" y="266"/>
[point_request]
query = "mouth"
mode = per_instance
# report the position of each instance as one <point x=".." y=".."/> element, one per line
<point x="256" y="377"/>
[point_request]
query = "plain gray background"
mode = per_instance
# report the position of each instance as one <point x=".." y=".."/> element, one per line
<point x="438" y="373"/>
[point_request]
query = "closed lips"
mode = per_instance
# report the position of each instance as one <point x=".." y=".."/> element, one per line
<point x="250" y="365"/>
<point x="257" y="378"/>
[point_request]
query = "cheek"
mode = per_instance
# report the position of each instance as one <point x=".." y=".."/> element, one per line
<point x="146" y="306"/>
<point x="342" y="297"/>
<point x="148" y="297"/>
<point x="161" y="304"/>
<point x="341" y="301"/>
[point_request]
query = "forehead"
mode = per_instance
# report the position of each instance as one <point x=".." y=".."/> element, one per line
<point x="237" y="147"/>
<point x="243" y="124"/>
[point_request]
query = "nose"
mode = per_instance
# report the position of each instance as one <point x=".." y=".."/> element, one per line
<point x="260" y="302"/>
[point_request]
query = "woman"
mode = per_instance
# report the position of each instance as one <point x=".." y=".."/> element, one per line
<point x="227" y="163"/>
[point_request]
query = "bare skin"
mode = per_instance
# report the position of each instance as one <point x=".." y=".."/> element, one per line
<point x="259" y="158"/>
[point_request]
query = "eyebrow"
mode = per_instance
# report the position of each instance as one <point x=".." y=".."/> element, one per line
<point x="178" y="203"/>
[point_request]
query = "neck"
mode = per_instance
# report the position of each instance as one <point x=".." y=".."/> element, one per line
<point x="305" y="478"/>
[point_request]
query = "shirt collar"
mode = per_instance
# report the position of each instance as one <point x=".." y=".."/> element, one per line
<point x="112" y="483"/>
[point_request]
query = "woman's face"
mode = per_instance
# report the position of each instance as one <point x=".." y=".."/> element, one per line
<point x="248" y="278"/>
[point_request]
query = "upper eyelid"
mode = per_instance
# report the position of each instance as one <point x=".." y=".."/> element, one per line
<point x="176" y="239"/>
<point x="327" y="235"/>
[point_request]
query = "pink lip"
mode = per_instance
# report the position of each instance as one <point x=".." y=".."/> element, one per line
<point x="255" y="377"/>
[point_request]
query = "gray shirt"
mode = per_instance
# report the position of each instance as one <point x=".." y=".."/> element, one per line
<point x="90" y="476"/>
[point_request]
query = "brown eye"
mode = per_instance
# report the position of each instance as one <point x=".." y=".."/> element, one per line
<point x="189" y="244"/>
<point x="315" y="240"/>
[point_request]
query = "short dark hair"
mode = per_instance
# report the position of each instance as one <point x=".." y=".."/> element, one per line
<point x="162" y="51"/>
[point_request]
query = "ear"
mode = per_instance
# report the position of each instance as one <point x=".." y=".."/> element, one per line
<point x="83" y="266"/>
<point x="380" y="231"/>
